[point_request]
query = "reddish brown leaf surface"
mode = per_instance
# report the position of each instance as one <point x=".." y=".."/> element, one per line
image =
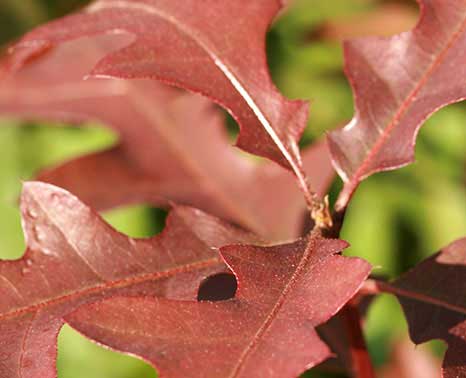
<point x="433" y="296"/>
<point x="267" y="330"/>
<point x="74" y="257"/>
<point x="173" y="144"/>
<point x="398" y="82"/>
<point x="214" y="47"/>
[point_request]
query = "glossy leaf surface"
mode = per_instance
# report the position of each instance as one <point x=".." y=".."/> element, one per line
<point x="433" y="296"/>
<point x="74" y="257"/>
<point x="214" y="47"/>
<point x="173" y="146"/>
<point x="398" y="83"/>
<point x="284" y="292"/>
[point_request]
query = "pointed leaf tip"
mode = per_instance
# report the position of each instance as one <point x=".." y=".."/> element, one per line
<point x="393" y="80"/>
<point x="221" y="56"/>
<point x="150" y="114"/>
<point x="433" y="298"/>
<point x="283" y="292"/>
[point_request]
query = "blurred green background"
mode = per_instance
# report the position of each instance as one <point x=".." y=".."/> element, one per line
<point x="395" y="220"/>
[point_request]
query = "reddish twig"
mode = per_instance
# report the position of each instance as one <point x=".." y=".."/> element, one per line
<point x="360" y="358"/>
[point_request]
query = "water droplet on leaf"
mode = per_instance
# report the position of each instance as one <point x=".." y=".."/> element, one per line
<point x="32" y="213"/>
<point x="39" y="233"/>
<point x="47" y="251"/>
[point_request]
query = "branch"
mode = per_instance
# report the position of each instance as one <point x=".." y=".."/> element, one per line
<point x="360" y="359"/>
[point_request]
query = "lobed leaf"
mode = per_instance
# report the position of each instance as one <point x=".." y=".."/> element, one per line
<point x="398" y="83"/>
<point x="433" y="296"/>
<point x="268" y="329"/>
<point x="74" y="257"/>
<point x="172" y="144"/>
<point x="214" y="47"/>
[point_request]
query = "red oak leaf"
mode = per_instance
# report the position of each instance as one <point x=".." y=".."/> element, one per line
<point x="267" y="330"/>
<point x="214" y="47"/>
<point x="433" y="296"/>
<point x="173" y="144"/>
<point x="74" y="257"/>
<point x="398" y="83"/>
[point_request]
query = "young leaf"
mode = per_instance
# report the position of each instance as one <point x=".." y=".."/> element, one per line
<point x="173" y="145"/>
<point x="74" y="257"/>
<point x="398" y="82"/>
<point x="213" y="47"/>
<point x="266" y="330"/>
<point x="433" y="296"/>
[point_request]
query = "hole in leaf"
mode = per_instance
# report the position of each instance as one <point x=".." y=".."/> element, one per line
<point x="79" y="357"/>
<point x="218" y="287"/>
<point x="231" y="126"/>
<point x="316" y="373"/>
<point x="233" y="130"/>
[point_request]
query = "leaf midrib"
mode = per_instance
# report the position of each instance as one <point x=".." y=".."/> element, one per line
<point x="419" y="297"/>
<point x="65" y="92"/>
<point x="275" y="309"/>
<point x="230" y="75"/>
<point x="404" y="106"/>
<point x="240" y="212"/>
<point x="117" y="284"/>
